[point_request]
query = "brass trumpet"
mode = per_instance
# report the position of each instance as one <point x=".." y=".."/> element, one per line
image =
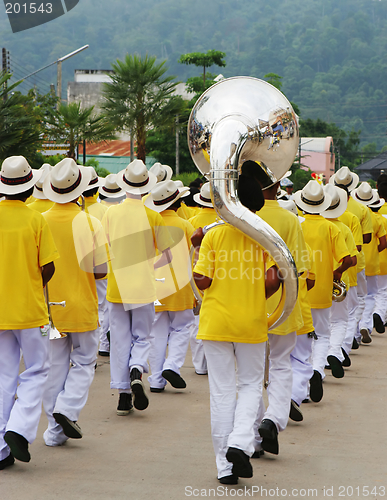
<point x="339" y="291"/>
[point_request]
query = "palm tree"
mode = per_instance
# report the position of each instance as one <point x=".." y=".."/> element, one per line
<point x="73" y="125"/>
<point x="139" y="97"/>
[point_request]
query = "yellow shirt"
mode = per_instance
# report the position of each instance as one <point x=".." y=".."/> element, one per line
<point x="82" y="245"/>
<point x="383" y="253"/>
<point x="94" y="208"/>
<point x="205" y="217"/>
<point x="41" y="206"/>
<point x="26" y="246"/>
<point x="134" y="233"/>
<point x="383" y="209"/>
<point x="327" y="245"/>
<point x="172" y="300"/>
<point x="371" y="250"/>
<point x="353" y="223"/>
<point x="303" y="296"/>
<point x="288" y="227"/>
<point x="187" y="212"/>
<point x="234" y="306"/>
<point x="351" y="273"/>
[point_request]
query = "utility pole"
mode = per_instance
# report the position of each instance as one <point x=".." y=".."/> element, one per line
<point x="177" y="146"/>
<point x="5" y="68"/>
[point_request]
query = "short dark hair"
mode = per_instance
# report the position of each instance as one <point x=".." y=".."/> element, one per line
<point x="382" y="178"/>
<point x="250" y="193"/>
<point x="90" y="192"/>
<point x="188" y="200"/>
<point x="20" y="196"/>
<point x="382" y="190"/>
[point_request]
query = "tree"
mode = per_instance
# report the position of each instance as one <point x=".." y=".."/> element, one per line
<point x="140" y="97"/>
<point x="204" y="60"/>
<point x="74" y="125"/>
<point x="19" y="126"/>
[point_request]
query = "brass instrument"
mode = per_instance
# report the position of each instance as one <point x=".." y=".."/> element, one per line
<point x="339" y="291"/>
<point x="236" y="120"/>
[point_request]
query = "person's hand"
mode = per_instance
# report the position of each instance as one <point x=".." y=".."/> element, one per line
<point x="337" y="275"/>
<point x="197" y="237"/>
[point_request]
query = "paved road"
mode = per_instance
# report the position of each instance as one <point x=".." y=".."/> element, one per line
<point x="165" y="452"/>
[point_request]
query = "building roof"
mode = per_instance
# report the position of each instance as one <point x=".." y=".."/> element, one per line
<point x="317" y="144"/>
<point x="107" y="148"/>
<point x="377" y="163"/>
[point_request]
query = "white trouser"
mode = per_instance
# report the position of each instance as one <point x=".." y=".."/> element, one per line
<point x="279" y="390"/>
<point x="361" y="296"/>
<point x="339" y="324"/>
<point x="129" y="342"/>
<point x="172" y="329"/>
<point x="102" y="308"/>
<point x="367" y="320"/>
<point x="67" y="389"/>
<point x="381" y="297"/>
<point x="232" y="419"/>
<point x="353" y="304"/>
<point x="302" y="368"/>
<point x="197" y="349"/>
<point x="322" y="327"/>
<point x="21" y="415"/>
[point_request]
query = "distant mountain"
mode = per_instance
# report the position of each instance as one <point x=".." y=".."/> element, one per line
<point x="330" y="54"/>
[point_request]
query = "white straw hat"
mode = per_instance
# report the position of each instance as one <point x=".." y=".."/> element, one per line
<point x="66" y="181"/>
<point x="179" y="184"/>
<point x="379" y="201"/>
<point x="110" y="188"/>
<point x="204" y="197"/>
<point x="339" y="202"/>
<point x="95" y="181"/>
<point x="288" y="205"/>
<point x="364" y="194"/>
<point x="136" y="179"/>
<point x="312" y="198"/>
<point x="17" y="176"/>
<point x="164" y="194"/>
<point x="38" y="188"/>
<point x="344" y="177"/>
<point x="162" y="172"/>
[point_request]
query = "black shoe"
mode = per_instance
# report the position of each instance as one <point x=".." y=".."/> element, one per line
<point x="378" y="323"/>
<point x="365" y="336"/>
<point x="18" y="445"/>
<point x="336" y="366"/>
<point x="295" y="413"/>
<point x="140" y="399"/>
<point x="355" y="344"/>
<point x="108" y="336"/>
<point x="268" y="431"/>
<point x="347" y="360"/>
<point x="157" y="389"/>
<point x="104" y="353"/>
<point x="316" y="388"/>
<point x="71" y="429"/>
<point x="258" y="454"/>
<point x="125" y="405"/>
<point x="241" y="462"/>
<point x="174" y="379"/>
<point x="7" y="462"/>
<point x="228" y="479"/>
<point x="306" y="400"/>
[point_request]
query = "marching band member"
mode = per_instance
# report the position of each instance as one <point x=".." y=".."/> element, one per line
<point x="283" y="338"/>
<point x="339" y="310"/>
<point x="162" y="172"/>
<point x="206" y="216"/>
<point x="27" y="255"/>
<point x="41" y="203"/>
<point x="235" y="350"/>
<point x="328" y="246"/>
<point x="364" y="195"/>
<point x="174" y="318"/>
<point x="83" y="259"/>
<point x="131" y="290"/>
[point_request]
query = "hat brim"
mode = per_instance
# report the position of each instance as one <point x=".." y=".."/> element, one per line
<point x="39" y="194"/>
<point x="20" y="188"/>
<point x="350" y="187"/>
<point x="149" y="203"/>
<point x="197" y="199"/>
<point x="336" y="212"/>
<point x="152" y="181"/>
<point x="119" y="194"/>
<point x="312" y="209"/>
<point x="366" y="203"/>
<point x="97" y="184"/>
<point x="67" y="197"/>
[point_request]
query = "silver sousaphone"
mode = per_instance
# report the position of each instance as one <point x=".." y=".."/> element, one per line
<point x="236" y="120"/>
